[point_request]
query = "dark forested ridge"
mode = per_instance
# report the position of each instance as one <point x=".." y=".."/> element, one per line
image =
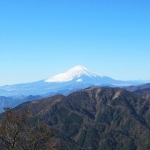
<point x="96" y="118"/>
<point x="142" y="90"/>
<point x="143" y="87"/>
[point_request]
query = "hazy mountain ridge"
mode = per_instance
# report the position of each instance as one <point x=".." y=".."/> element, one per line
<point x="140" y="87"/>
<point x="74" y="79"/>
<point x="142" y="90"/>
<point x="11" y="102"/>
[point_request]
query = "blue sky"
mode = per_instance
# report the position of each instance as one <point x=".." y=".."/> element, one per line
<point x="39" y="39"/>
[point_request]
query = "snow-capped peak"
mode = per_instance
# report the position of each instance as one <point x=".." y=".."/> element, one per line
<point x="74" y="73"/>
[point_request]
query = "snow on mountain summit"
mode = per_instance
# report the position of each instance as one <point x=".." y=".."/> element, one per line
<point x="74" y="73"/>
<point x="74" y="79"/>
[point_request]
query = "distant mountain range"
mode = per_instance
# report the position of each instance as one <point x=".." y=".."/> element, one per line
<point x="87" y="113"/>
<point x="11" y="102"/>
<point x="143" y="90"/>
<point x="74" y="79"/>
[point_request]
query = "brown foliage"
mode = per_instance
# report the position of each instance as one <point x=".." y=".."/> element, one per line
<point x="16" y="133"/>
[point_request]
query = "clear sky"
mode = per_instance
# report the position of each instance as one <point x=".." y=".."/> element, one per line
<point x="40" y="38"/>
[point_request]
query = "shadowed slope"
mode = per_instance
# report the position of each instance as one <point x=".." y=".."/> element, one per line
<point x="97" y="118"/>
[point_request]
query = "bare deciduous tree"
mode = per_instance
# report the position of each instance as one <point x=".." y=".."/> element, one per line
<point x="17" y="133"/>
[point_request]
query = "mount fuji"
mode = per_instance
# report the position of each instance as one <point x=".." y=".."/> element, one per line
<point x="74" y="79"/>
